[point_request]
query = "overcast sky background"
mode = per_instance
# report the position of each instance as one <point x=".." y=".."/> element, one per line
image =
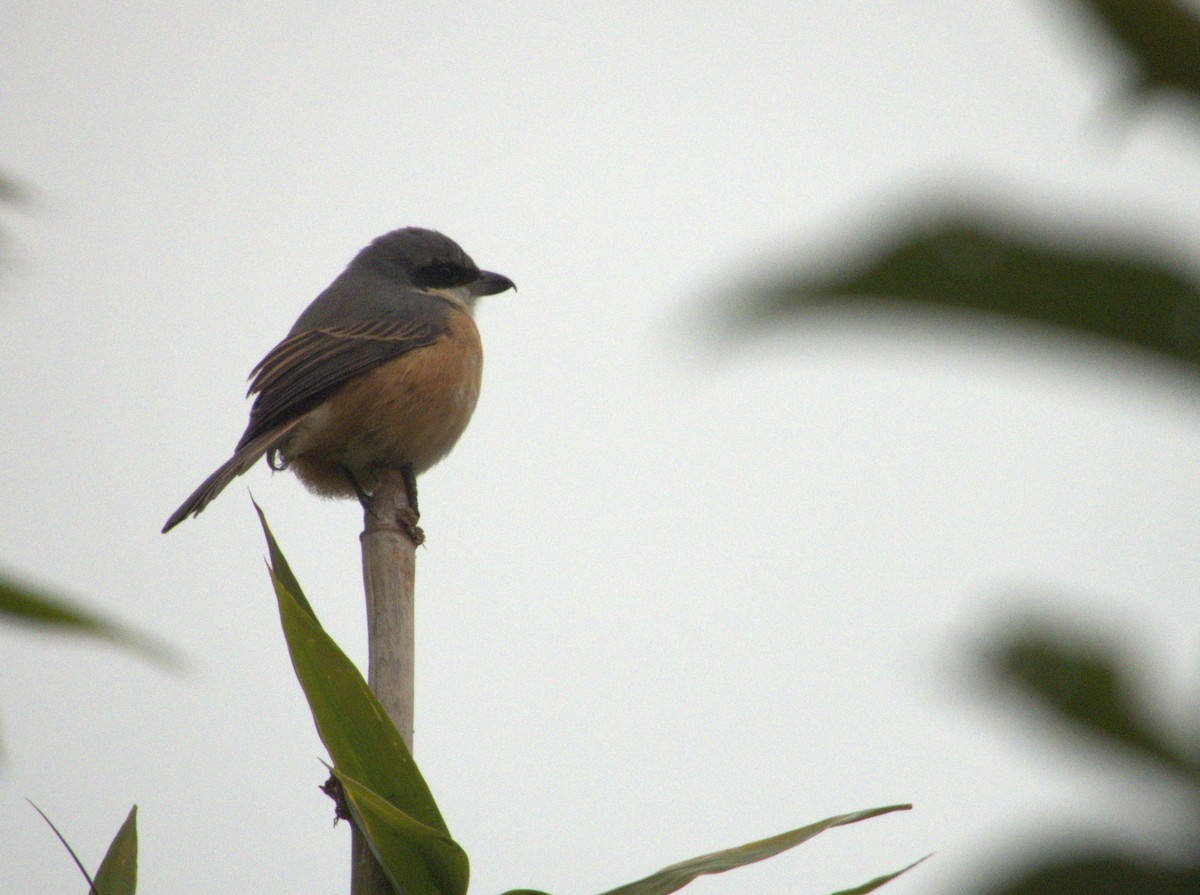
<point x="675" y="597"/>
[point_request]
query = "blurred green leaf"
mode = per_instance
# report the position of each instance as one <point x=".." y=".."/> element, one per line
<point x="414" y="857"/>
<point x="12" y="191"/>
<point x="1083" y="683"/>
<point x="27" y="605"/>
<point x="669" y="879"/>
<point x="966" y="262"/>
<point x="8" y="189"/>
<point x="879" y="881"/>
<point x="367" y="750"/>
<point x="1099" y="874"/>
<point x="1160" y="37"/>
<point x="118" y="871"/>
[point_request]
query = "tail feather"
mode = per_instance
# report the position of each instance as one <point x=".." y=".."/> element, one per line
<point x="242" y="459"/>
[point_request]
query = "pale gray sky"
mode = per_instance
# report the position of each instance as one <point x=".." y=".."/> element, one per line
<point x="672" y="601"/>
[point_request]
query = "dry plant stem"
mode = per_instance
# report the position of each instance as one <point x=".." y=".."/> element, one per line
<point x="389" y="569"/>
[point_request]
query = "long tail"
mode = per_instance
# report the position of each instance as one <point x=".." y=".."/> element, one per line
<point x="245" y="457"/>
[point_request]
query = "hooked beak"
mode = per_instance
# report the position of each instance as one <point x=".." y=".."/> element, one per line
<point x="489" y="283"/>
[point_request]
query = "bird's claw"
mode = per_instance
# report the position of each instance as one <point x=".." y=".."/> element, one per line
<point x="407" y="518"/>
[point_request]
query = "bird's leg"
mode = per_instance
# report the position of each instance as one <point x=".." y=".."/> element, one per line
<point x="410" y="486"/>
<point x="408" y="518"/>
<point x="363" y="497"/>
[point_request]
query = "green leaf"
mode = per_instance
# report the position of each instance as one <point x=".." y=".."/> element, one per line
<point x="366" y="748"/>
<point x="279" y="564"/>
<point x="23" y="604"/>
<point x="1160" y="37"/>
<point x="12" y="191"/>
<point x="413" y="856"/>
<point x="118" y="871"/>
<point x="974" y="261"/>
<point x="874" y="884"/>
<point x="1096" y="873"/>
<point x="67" y="846"/>
<point x="362" y="740"/>
<point x="1083" y="683"/>
<point x="679" y="875"/>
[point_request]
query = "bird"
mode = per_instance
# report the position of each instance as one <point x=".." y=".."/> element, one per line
<point x="381" y="371"/>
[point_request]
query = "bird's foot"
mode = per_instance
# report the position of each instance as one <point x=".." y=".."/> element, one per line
<point x="407" y="518"/>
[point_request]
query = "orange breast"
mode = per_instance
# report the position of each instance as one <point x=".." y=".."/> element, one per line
<point x="411" y="410"/>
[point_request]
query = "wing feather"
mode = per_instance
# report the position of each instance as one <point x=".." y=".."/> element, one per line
<point x="309" y="366"/>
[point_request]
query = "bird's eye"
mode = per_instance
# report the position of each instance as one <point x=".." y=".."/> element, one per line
<point x="440" y="276"/>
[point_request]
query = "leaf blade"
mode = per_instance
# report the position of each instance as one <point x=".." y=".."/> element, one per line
<point x="872" y="885"/>
<point x="24" y="604"/>
<point x="385" y="791"/>
<point x="676" y="876"/>
<point x="971" y="259"/>
<point x="67" y="846"/>
<point x="361" y="738"/>
<point x="396" y="838"/>
<point x="118" y="871"/>
<point x="279" y="564"/>
<point x="1085" y="683"/>
<point x="1161" y="37"/>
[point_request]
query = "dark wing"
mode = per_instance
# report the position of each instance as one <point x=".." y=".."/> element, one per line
<point x="308" y="367"/>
